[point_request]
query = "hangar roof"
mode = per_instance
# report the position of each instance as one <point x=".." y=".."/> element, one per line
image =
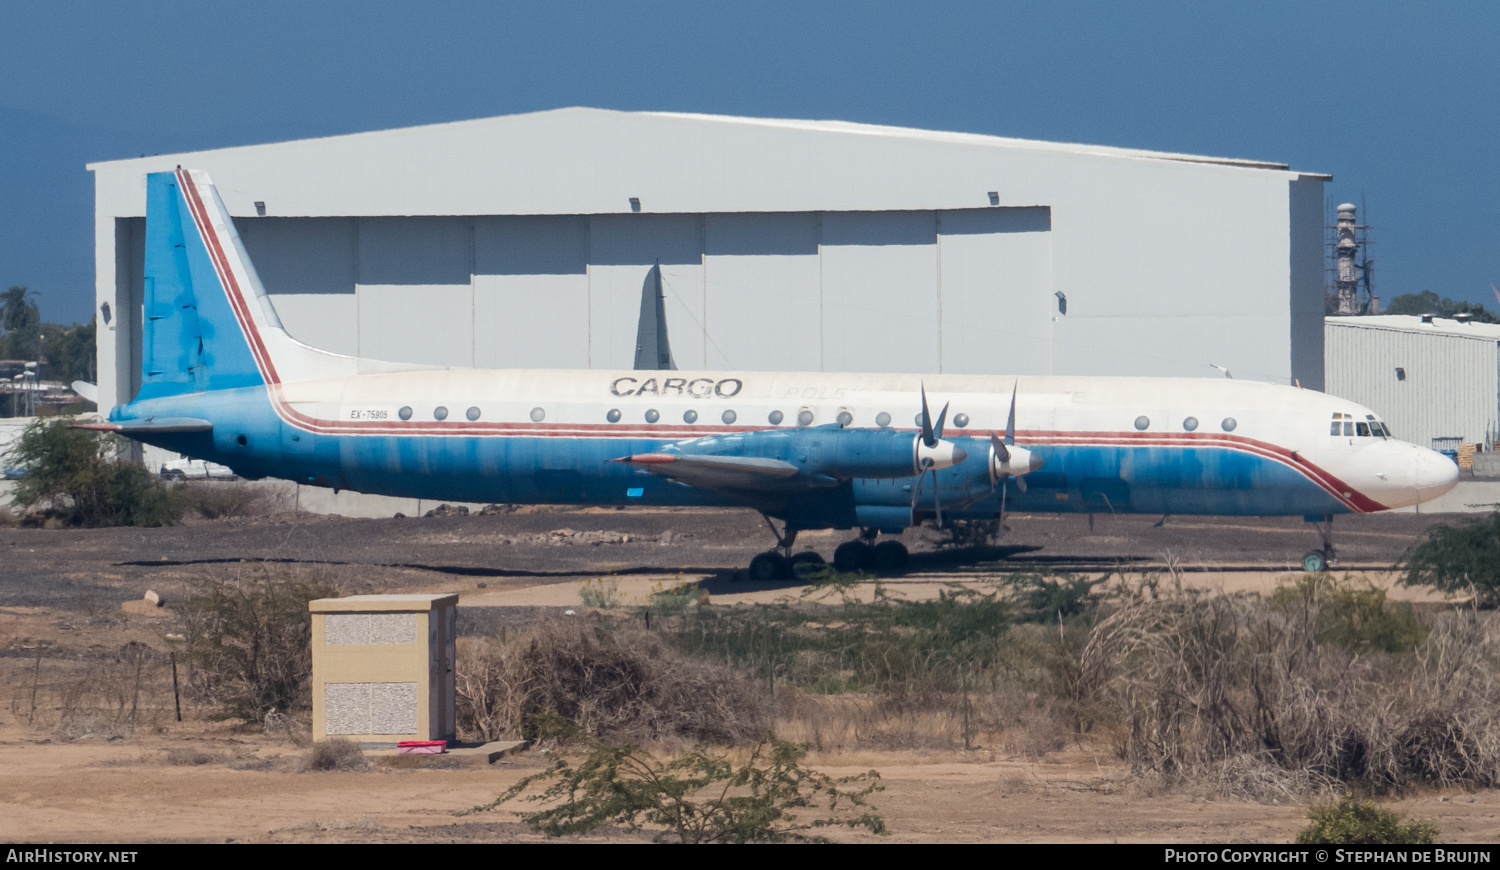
<point x="1415" y="323"/>
<point x="587" y="161"/>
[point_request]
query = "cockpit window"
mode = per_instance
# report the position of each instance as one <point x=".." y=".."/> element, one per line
<point x="1362" y="429"/>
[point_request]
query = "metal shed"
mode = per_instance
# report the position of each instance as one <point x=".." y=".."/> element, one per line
<point x="1430" y="378"/>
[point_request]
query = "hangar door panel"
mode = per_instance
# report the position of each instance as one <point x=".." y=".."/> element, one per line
<point x="531" y="292"/>
<point x="307" y="266"/>
<point x="880" y="299"/>
<point x="623" y="249"/>
<point x="761" y="278"/>
<point x="416" y="303"/>
<point x="997" y="290"/>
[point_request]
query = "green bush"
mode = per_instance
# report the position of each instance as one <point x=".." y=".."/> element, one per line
<point x="75" y="475"/>
<point x="1353" y="615"/>
<point x="699" y="796"/>
<point x="249" y="642"/>
<point x="1456" y="559"/>
<point x="599" y="592"/>
<point x="1351" y="822"/>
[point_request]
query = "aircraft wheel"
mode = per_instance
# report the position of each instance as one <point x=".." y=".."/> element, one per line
<point x="805" y="563"/>
<point x="853" y="555"/>
<point x="890" y="556"/>
<point x="769" y="566"/>
<point x="1315" y="562"/>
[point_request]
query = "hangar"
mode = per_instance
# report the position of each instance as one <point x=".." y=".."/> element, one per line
<point x="528" y="240"/>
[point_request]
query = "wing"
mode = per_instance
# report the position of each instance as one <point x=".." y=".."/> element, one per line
<point x="735" y="475"/>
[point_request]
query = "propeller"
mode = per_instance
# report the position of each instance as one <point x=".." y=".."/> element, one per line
<point x="931" y="453"/>
<point x="1009" y="461"/>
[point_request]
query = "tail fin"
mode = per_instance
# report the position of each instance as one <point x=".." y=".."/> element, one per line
<point x="209" y="324"/>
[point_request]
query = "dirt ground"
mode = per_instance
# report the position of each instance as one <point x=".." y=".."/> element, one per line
<point x="78" y="779"/>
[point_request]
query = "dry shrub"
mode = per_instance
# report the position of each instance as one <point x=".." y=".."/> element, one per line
<point x="8" y="518"/>
<point x="333" y="755"/>
<point x="214" y="500"/>
<point x="610" y="680"/>
<point x="109" y="696"/>
<point x="1235" y="690"/>
<point x="193" y="757"/>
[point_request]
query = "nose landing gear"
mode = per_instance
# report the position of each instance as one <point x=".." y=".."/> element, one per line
<point x="1319" y="560"/>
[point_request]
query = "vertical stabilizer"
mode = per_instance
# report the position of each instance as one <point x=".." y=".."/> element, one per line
<point x="209" y="324"/>
<point x="652" y="349"/>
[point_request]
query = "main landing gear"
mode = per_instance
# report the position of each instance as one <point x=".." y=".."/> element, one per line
<point x="861" y="554"/>
<point x="1319" y="560"/>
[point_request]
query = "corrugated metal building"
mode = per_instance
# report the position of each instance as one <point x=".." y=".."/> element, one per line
<point x="783" y="245"/>
<point x="1429" y="378"/>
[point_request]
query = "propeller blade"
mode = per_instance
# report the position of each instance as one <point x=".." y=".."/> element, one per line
<point x="1001" y="451"/>
<point x="928" y="437"/>
<point x="1021" y="483"/>
<point x="937" y="431"/>
<point x="1003" y="488"/>
<point x="1010" y="424"/>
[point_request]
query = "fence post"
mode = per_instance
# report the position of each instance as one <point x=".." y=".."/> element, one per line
<point x="135" y="697"/>
<point x="964" y="685"/>
<point x="176" y="696"/>
<point x="36" y="673"/>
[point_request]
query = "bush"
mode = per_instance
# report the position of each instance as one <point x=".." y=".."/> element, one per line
<point x="214" y="500"/>
<point x="334" y="754"/>
<point x="1457" y="559"/>
<point x="606" y="679"/>
<point x="1199" y="680"/>
<point x="73" y="473"/>
<point x="699" y="796"/>
<point x="249" y="642"/>
<point x="599" y="592"/>
<point x="1360" y="823"/>
<point x="1353" y="615"/>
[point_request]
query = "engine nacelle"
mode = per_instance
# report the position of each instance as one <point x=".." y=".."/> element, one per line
<point x="833" y="451"/>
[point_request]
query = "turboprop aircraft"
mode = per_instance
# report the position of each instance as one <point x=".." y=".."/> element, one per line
<point x="224" y="382"/>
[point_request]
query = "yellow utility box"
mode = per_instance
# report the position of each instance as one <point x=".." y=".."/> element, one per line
<point x="383" y="667"/>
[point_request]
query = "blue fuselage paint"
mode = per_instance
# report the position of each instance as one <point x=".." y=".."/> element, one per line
<point x="250" y="438"/>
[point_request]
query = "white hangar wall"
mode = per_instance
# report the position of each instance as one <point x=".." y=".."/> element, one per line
<point x="783" y="245"/>
<point x="1438" y="379"/>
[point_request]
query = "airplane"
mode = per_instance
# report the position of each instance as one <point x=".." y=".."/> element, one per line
<point x="223" y="381"/>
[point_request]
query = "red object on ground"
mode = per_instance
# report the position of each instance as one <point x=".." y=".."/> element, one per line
<point x="421" y="747"/>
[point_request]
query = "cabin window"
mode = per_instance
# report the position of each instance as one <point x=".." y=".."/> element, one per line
<point x="538" y="415"/>
<point x="440" y="413"/>
<point x="1142" y="422"/>
<point x="804" y="417"/>
<point x="845" y="418"/>
<point x="404" y="413"/>
<point x="1362" y="430"/>
<point x="883" y="419"/>
<point x="652" y="416"/>
<point x="1190" y="423"/>
<point x="472" y="413"/>
<point x="775" y="417"/>
<point x="613" y="416"/>
<point x="690" y="416"/>
<point x="1228" y="424"/>
<point x="729" y="417"/>
<point x="961" y="420"/>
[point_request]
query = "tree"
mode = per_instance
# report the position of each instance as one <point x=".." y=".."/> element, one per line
<point x="1428" y="302"/>
<point x="74" y="473"/>
<point x="1455" y="559"/>
<point x="699" y="796"/>
<point x="17" y="312"/>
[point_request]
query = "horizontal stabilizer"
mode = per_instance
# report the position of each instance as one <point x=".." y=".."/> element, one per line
<point x="87" y="390"/>
<point x="150" y="426"/>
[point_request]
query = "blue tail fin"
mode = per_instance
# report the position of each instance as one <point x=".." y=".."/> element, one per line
<point x="192" y="340"/>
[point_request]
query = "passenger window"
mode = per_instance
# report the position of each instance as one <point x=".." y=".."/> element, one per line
<point x="1363" y="429"/>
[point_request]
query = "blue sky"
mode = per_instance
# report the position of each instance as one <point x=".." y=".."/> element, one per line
<point x="1399" y="101"/>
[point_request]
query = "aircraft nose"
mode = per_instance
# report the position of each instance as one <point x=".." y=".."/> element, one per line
<point x="1434" y="475"/>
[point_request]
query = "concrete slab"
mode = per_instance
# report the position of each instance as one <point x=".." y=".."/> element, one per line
<point x="482" y="755"/>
